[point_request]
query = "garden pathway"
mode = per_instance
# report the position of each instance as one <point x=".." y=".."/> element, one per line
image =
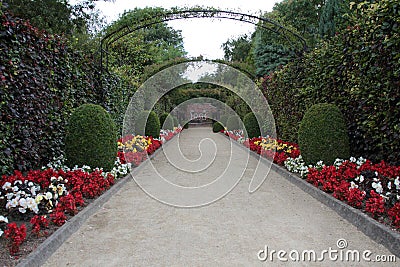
<point x="133" y="229"/>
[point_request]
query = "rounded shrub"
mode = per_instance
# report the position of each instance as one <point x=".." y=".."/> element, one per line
<point x="251" y="124"/>
<point x="323" y="135"/>
<point x="151" y="127"/>
<point x="166" y="121"/>
<point x="217" y="127"/>
<point x="233" y="123"/>
<point x="91" y="138"/>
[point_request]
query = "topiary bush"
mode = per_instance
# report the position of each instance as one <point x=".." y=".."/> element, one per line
<point x="166" y="121"/>
<point x="91" y="138"/>
<point x="323" y="134"/>
<point x="217" y="127"/>
<point x="149" y="128"/>
<point x="233" y="123"/>
<point x="251" y="124"/>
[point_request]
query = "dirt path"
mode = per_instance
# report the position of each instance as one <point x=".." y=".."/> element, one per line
<point x="133" y="229"/>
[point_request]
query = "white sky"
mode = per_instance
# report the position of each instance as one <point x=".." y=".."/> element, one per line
<point x="201" y="36"/>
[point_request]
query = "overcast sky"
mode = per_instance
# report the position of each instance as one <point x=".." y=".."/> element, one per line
<point x="201" y="36"/>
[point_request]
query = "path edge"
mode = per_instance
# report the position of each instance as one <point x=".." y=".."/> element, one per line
<point x="378" y="232"/>
<point x="44" y="251"/>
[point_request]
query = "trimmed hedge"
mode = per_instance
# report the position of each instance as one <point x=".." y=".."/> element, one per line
<point x="358" y="71"/>
<point x="233" y="123"/>
<point x="251" y="124"/>
<point x="323" y="135"/>
<point x="217" y="127"/>
<point x="151" y="127"/>
<point x="91" y="138"/>
<point x="167" y="121"/>
<point x="42" y="81"/>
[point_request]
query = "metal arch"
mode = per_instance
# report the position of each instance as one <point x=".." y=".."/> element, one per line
<point x="297" y="41"/>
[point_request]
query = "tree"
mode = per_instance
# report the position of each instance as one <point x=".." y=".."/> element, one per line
<point x="238" y="49"/>
<point x="154" y="44"/>
<point x="331" y="19"/>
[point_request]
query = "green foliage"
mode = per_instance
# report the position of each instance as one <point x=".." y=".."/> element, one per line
<point x="167" y="121"/>
<point x="332" y="17"/>
<point x="153" y="45"/>
<point x="176" y="122"/>
<point x="233" y="123"/>
<point x="217" y="127"/>
<point x="251" y="124"/>
<point x="224" y="119"/>
<point x="238" y="49"/>
<point x="91" y="138"/>
<point x="323" y="135"/>
<point x="149" y="127"/>
<point x="357" y="70"/>
<point x="41" y="81"/>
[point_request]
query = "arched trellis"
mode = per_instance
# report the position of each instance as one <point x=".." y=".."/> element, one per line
<point x="296" y="41"/>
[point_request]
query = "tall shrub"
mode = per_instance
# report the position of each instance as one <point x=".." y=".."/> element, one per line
<point x="91" y="138"/>
<point x="323" y="135"/>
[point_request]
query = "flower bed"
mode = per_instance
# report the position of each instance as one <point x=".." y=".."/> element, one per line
<point x="35" y="204"/>
<point x="372" y="188"/>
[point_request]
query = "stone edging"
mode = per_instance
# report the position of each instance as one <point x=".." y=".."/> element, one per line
<point x="40" y="255"/>
<point x="378" y="232"/>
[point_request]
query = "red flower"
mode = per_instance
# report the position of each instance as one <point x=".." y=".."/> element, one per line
<point x="375" y="204"/>
<point x="394" y="214"/>
<point x="15" y="236"/>
<point x="39" y="222"/>
<point x="355" y="197"/>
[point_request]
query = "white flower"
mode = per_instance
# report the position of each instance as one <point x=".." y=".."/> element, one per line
<point x="376" y="174"/>
<point x="6" y="186"/>
<point x="9" y="195"/>
<point x="22" y="203"/>
<point x="15" y="189"/>
<point x="30" y="203"/>
<point x="18" y="182"/>
<point x="53" y="178"/>
<point x="1" y="232"/>
<point x="48" y="195"/>
<point x="353" y="185"/>
<point x="30" y="184"/>
<point x="352" y="159"/>
<point x="3" y="219"/>
<point x="361" y="178"/>
<point x="22" y="210"/>
<point x="378" y="187"/>
<point x="14" y="202"/>
<point x="397" y="183"/>
<point x="60" y="178"/>
<point x="389" y="185"/>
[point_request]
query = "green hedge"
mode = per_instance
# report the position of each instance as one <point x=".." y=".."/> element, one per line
<point x="151" y="127"/>
<point x="42" y="81"/>
<point x="233" y="123"/>
<point x="357" y="70"/>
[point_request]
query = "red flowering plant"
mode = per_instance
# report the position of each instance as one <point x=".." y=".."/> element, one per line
<point x="374" y="188"/>
<point x="15" y="236"/>
<point x="39" y="223"/>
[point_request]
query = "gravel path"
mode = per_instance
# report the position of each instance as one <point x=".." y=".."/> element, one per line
<point x="133" y="229"/>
